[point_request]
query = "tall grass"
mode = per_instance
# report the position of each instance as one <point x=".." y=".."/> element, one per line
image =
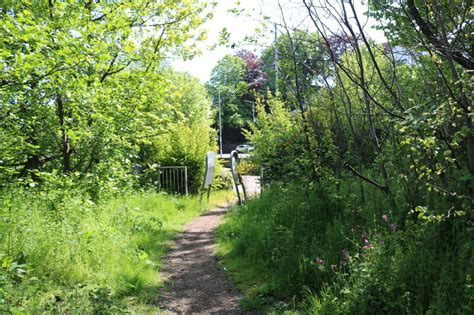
<point x="316" y="253"/>
<point x="60" y="252"/>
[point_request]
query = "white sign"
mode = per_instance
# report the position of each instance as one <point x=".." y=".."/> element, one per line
<point x="210" y="165"/>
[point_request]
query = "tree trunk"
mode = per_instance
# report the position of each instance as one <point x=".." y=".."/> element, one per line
<point x="65" y="141"/>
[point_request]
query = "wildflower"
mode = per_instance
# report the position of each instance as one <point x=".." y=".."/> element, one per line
<point x="385" y="218"/>
<point x="333" y="267"/>
<point x="393" y="227"/>
<point x="366" y="241"/>
<point x="319" y="261"/>
<point x="381" y="242"/>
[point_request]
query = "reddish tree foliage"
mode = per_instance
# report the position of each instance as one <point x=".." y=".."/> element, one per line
<point x="255" y="75"/>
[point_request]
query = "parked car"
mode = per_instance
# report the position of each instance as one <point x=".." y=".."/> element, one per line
<point x="244" y="148"/>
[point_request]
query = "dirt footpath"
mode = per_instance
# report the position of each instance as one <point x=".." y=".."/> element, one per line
<point x="195" y="281"/>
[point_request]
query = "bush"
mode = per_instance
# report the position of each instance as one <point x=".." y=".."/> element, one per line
<point x="264" y="230"/>
<point x="222" y="178"/>
<point x="248" y="167"/>
<point x="417" y="271"/>
<point x="312" y="250"/>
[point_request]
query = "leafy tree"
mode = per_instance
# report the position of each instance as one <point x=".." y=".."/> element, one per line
<point x="255" y="77"/>
<point x="175" y="124"/>
<point x="58" y="66"/>
<point x="301" y="57"/>
<point x="237" y="81"/>
<point x="227" y="83"/>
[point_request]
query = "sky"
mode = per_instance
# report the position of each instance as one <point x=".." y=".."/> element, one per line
<point x="245" y="24"/>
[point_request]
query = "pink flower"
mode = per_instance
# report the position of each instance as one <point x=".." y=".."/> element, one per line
<point x="366" y="241"/>
<point x="385" y="218"/>
<point x="319" y="261"/>
<point x="333" y="267"/>
<point x="381" y="242"/>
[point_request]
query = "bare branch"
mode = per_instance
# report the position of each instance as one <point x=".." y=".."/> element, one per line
<point x="368" y="180"/>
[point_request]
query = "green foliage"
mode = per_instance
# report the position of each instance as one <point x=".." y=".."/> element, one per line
<point x="248" y="167"/>
<point x="222" y="178"/>
<point x="282" y="148"/>
<point x="86" y="103"/>
<point x="294" y="245"/>
<point x="263" y="232"/>
<point x="310" y="70"/>
<point x="78" y="82"/>
<point x="228" y="82"/>
<point x="279" y="142"/>
<point x="235" y="81"/>
<point x="174" y="128"/>
<point x="387" y="130"/>
<point x="62" y="252"/>
<point x="422" y="270"/>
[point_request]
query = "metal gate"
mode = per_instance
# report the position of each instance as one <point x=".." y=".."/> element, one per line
<point x="173" y="179"/>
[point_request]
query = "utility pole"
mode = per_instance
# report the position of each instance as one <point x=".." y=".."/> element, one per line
<point x="253" y="108"/>
<point x="276" y="58"/>
<point x="253" y="111"/>
<point x="220" y="123"/>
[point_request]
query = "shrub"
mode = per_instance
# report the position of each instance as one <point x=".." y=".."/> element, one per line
<point x="308" y="247"/>
<point x="264" y="230"/>
<point x="248" y="167"/>
<point x="222" y="178"/>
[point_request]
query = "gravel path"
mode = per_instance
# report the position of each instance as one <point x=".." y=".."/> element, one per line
<point x="196" y="283"/>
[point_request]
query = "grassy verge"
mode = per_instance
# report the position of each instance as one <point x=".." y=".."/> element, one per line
<point x="270" y="244"/>
<point x="309" y="252"/>
<point x="69" y="255"/>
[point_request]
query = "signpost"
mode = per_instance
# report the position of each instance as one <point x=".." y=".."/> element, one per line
<point x="234" y="161"/>
<point x="209" y="175"/>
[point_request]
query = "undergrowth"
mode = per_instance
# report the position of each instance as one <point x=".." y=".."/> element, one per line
<point x="311" y="252"/>
<point x="63" y="253"/>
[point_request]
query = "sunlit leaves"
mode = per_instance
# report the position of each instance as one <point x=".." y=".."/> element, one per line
<point x="73" y="51"/>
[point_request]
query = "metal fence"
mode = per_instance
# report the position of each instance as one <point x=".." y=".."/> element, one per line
<point x="173" y="179"/>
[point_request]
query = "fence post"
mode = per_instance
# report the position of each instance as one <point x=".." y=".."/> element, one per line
<point x="159" y="179"/>
<point x="186" y="180"/>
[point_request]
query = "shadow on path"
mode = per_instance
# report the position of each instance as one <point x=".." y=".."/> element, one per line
<point x="195" y="281"/>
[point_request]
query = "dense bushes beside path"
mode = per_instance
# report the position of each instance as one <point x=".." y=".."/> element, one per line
<point x="310" y="251"/>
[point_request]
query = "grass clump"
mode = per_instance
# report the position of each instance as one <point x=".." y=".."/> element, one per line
<point x="67" y="254"/>
<point x="277" y="239"/>
<point x="311" y="252"/>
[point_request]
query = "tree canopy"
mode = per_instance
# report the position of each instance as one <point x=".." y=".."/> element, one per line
<point x="79" y="82"/>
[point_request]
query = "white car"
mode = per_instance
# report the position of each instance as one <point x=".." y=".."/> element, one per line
<point x="244" y="148"/>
